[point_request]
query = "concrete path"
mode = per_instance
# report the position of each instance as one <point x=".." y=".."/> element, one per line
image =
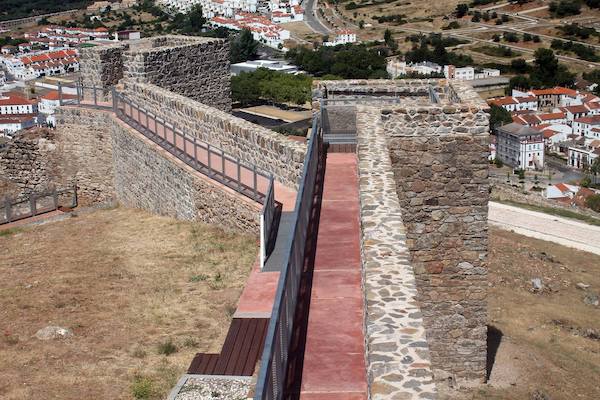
<point x="334" y="358"/>
<point x="311" y="17"/>
<point x="547" y="227"/>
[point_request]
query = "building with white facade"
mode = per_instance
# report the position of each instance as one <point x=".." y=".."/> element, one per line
<point x="263" y="30"/>
<point x="582" y="156"/>
<point x="469" y="73"/>
<point x="14" y="103"/>
<point x="520" y="146"/>
<point x="213" y="8"/>
<point x="10" y="124"/>
<point x="398" y="68"/>
<point x="512" y="104"/>
<point x="49" y="102"/>
<point x="40" y="64"/>
<point x="588" y="127"/>
<point x="342" y="36"/>
<point x="273" y="65"/>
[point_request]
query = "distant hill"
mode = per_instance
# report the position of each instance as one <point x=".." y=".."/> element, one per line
<point x="13" y="9"/>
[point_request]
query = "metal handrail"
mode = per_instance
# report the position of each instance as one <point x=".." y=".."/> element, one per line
<point x="274" y="361"/>
<point x="32" y="202"/>
<point x="267" y="223"/>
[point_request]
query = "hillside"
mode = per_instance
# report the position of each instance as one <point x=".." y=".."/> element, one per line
<point x="13" y="9"/>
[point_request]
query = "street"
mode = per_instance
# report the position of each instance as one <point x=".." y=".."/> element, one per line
<point x="545" y="227"/>
<point x="312" y="18"/>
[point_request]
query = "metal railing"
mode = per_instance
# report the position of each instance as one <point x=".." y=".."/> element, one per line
<point x="267" y="224"/>
<point x="35" y="204"/>
<point x="274" y="361"/>
<point x="203" y="157"/>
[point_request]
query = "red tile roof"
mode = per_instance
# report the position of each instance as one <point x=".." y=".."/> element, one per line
<point x="14" y="99"/>
<point x="593" y="120"/>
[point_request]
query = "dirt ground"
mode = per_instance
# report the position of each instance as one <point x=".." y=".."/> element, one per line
<point x="125" y="282"/>
<point x="549" y="342"/>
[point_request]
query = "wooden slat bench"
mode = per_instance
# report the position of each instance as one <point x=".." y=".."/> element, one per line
<point x="241" y="350"/>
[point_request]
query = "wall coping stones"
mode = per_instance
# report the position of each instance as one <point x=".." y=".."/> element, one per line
<point x="397" y="355"/>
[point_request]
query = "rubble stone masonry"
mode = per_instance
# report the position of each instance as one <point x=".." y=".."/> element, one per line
<point x="268" y="150"/>
<point x="437" y="145"/>
<point x="102" y="67"/>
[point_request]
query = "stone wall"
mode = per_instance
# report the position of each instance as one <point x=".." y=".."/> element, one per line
<point x="197" y="68"/>
<point x="150" y="178"/>
<point x="84" y="146"/>
<point x="102" y="66"/>
<point x="398" y="361"/>
<point x="437" y="141"/>
<point x="439" y="159"/>
<point x="27" y="163"/>
<point x="268" y="150"/>
<point x="194" y="67"/>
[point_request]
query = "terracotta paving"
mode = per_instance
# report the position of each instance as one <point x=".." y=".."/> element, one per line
<point x="334" y="364"/>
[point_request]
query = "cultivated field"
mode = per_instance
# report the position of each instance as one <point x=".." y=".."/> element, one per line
<point x="550" y="341"/>
<point x="132" y="288"/>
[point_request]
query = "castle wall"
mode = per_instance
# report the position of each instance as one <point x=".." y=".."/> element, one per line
<point x="197" y="68"/>
<point x="84" y="146"/>
<point x="102" y="66"/>
<point x="268" y="150"/>
<point x="148" y="177"/>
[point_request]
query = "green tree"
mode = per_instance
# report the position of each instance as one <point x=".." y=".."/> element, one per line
<point x="461" y="10"/>
<point x="389" y="40"/>
<point x="194" y="21"/>
<point x="593" y="202"/>
<point x="245" y="89"/>
<point x="499" y="116"/>
<point x="548" y="72"/>
<point x="243" y="47"/>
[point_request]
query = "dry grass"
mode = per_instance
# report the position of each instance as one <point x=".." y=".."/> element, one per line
<point x="544" y="346"/>
<point x="125" y="282"/>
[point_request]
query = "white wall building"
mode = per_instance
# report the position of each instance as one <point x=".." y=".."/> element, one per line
<point x="214" y="8"/>
<point x="343" y="36"/>
<point x="520" y="146"/>
<point x="581" y="157"/>
<point x="585" y="127"/>
<point x="50" y="101"/>
<point x="13" y="103"/>
<point x="399" y="68"/>
<point x="263" y="30"/>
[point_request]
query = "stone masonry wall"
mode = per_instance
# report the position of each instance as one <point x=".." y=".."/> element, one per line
<point x="102" y="66"/>
<point x="150" y="178"/>
<point x="197" y="68"/>
<point x="27" y="164"/>
<point x="84" y="146"/>
<point x="268" y="150"/>
<point x="439" y="159"/>
<point x="436" y="135"/>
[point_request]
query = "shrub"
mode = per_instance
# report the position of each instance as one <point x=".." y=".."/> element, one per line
<point x="142" y="387"/>
<point x="167" y="347"/>
<point x="498" y="162"/>
<point x="593" y="202"/>
<point x="190" y="342"/>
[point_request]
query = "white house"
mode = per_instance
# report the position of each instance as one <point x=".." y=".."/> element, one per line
<point x="511" y="103"/>
<point x="584" y="127"/>
<point x="561" y="190"/>
<point x="263" y="30"/>
<point x="50" y="101"/>
<point x="581" y="157"/>
<point x="469" y="73"/>
<point x="9" y="124"/>
<point x="13" y="103"/>
<point x="343" y="36"/>
<point x="400" y="68"/>
<point x="520" y="146"/>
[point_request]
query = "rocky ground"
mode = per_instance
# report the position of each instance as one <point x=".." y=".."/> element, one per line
<point x="544" y="319"/>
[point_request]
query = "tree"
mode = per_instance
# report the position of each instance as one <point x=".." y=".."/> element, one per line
<point x="243" y="47"/>
<point x="520" y="82"/>
<point x="499" y="116"/>
<point x="389" y="40"/>
<point x="194" y="21"/>
<point x="548" y="72"/>
<point x="519" y="66"/>
<point x="595" y="167"/>
<point x="593" y="202"/>
<point x="461" y="10"/>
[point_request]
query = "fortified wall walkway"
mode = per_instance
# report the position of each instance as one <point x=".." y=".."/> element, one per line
<point x="334" y="358"/>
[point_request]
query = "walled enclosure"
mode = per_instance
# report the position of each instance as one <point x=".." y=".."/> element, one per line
<point x="438" y="154"/>
<point x="195" y="67"/>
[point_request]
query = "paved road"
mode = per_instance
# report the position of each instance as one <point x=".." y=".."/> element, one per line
<point x="312" y="17"/>
<point x="547" y="227"/>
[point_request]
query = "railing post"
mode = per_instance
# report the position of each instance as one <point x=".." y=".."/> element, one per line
<point x="60" y="96"/>
<point x="223" y="163"/>
<point x="75" y="199"/>
<point x="114" y="99"/>
<point x="239" y="174"/>
<point x="8" y="209"/>
<point x="95" y="95"/>
<point x="210" y="171"/>
<point x="255" y="179"/>
<point x="32" y="204"/>
<point x="195" y="153"/>
<point x="79" y="93"/>
<point x="55" y="198"/>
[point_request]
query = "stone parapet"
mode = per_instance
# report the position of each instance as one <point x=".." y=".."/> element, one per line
<point x="268" y="150"/>
<point x="149" y="177"/>
<point x="102" y="67"/>
<point x="398" y="364"/>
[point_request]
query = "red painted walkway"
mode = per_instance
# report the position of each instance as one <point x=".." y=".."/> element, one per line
<point x="334" y="364"/>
